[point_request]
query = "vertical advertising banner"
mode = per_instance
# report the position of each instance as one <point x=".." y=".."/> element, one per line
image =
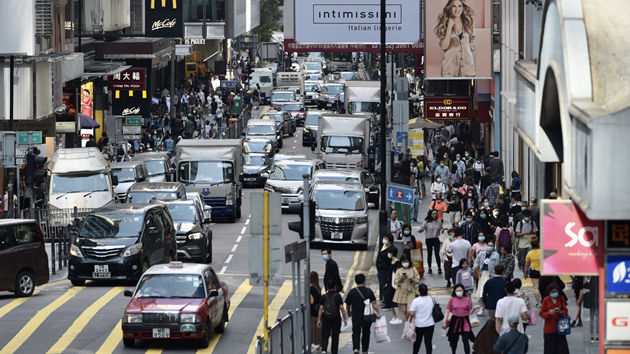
<point x="87" y="99"/>
<point x="571" y="243"/>
<point x="416" y="142"/>
<point x="164" y="18"/>
<point x="458" y="39"/>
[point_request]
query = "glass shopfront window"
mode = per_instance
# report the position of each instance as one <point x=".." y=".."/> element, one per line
<point x="193" y="10"/>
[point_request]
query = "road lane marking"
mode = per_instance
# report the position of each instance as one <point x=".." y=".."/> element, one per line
<point x="235" y="300"/>
<point x="234" y="248"/>
<point x="112" y="341"/>
<point x="247" y="222"/>
<point x="37" y="320"/>
<point x="274" y="309"/>
<point x="83" y="320"/>
<point x="15" y="303"/>
<point x="361" y="264"/>
<point x="229" y="259"/>
<point x="238" y="239"/>
<point x="243" y="230"/>
<point x="223" y="270"/>
<point x="351" y="270"/>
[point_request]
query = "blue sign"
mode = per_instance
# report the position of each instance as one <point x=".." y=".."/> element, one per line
<point x="400" y="194"/>
<point x="400" y="135"/>
<point x="618" y="274"/>
<point x="205" y="191"/>
<point x="230" y="84"/>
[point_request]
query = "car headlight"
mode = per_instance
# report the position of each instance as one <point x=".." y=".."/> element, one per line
<point x="361" y="220"/>
<point x="305" y="130"/>
<point x="196" y="236"/>
<point x="132" y="318"/>
<point x="268" y="186"/>
<point x="76" y="251"/>
<point x="190" y="318"/>
<point x="133" y="250"/>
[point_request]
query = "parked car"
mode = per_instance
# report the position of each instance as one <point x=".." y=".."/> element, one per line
<point x="145" y="191"/>
<point x="121" y="242"/>
<point x="176" y="301"/>
<point x="193" y="231"/>
<point x="23" y="258"/>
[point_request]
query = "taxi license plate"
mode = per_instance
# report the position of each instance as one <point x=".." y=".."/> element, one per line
<point x="101" y="271"/>
<point x="285" y="200"/>
<point x="336" y="235"/>
<point x="250" y="179"/>
<point x="161" y="332"/>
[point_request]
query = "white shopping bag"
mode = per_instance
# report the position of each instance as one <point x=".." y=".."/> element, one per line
<point x="380" y="331"/>
<point x="347" y="328"/>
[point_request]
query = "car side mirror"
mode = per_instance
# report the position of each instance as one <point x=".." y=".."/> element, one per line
<point x="243" y="134"/>
<point x="213" y="293"/>
<point x="313" y="146"/>
<point x="264" y="175"/>
<point x="302" y="109"/>
<point x="153" y="230"/>
<point x="128" y="293"/>
<point x="115" y="180"/>
<point x="371" y="205"/>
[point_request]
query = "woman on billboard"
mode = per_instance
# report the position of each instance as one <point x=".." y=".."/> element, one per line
<point x="86" y="103"/>
<point x="456" y="34"/>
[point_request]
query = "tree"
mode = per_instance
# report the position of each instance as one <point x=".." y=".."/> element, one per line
<point x="270" y="15"/>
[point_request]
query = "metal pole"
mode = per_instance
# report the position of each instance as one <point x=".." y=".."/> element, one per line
<point x="173" y="79"/>
<point x="307" y="261"/>
<point x="388" y="172"/>
<point x="266" y="268"/>
<point x="382" y="215"/>
<point x="11" y="176"/>
<point x="296" y="329"/>
<point x="299" y="323"/>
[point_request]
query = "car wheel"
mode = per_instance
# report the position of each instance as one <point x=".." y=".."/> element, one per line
<point x="221" y="327"/>
<point x="79" y="282"/>
<point x="281" y="143"/>
<point x="205" y="341"/>
<point x="145" y="266"/>
<point x="24" y="284"/>
<point x="291" y="132"/>
<point x="129" y="342"/>
<point x="209" y="254"/>
<point x="231" y="219"/>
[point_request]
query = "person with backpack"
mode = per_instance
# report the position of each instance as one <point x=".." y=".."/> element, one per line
<point x="494" y="193"/>
<point x="512" y="341"/>
<point x="362" y="307"/>
<point x="504" y="234"/>
<point x="329" y="319"/>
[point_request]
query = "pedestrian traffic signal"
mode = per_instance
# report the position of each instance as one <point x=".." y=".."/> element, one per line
<point x="298" y="226"/>
<point x="34" y="166"/>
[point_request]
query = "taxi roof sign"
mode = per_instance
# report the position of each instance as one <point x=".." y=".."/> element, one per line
<point x="176" y="265"/>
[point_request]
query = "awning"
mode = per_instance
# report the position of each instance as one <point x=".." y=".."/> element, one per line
<point x="421" y="123"/>
<point x="87" y="122"/>
<point x="96" y="68"/>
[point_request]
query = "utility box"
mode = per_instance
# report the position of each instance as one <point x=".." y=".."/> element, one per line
<point x="237" y="105"/>
<point x="7" y="149"/>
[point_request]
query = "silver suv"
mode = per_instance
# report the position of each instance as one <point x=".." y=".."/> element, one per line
<point x="286" y="178"/>
<point x="341" y="212"/>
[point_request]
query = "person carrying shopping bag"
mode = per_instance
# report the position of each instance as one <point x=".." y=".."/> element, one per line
<point x="406" y="278"/>
<point x="554" y="308"/>
<point x="421" y="312"/>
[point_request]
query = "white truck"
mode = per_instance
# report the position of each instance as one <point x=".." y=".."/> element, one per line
<point x="362" y="96"/>
<point x="78" y="177"/>
<point x="264" y="78"/>
<point x="292" y="81"/>
<point x="213" y="168"/>
<point x="343" y="141"/>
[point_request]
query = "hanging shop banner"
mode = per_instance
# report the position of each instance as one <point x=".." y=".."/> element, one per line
<point x="416" y="142"/>
<point x="131" y="79"/>
<point x="618" y="274"/>
<point x="164" y="18"/>
<point x="447" y="108"/>
<point x="131" y="103"/>
<point x="290" y="45"/>
<point x="617" y="321"/>
<point x="87" y="99"/>
<point x="571" y="243"/>
<point x="459" y="41"/>
<point x="356" y="21"/>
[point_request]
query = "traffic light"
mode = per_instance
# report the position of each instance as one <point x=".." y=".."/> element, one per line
<point x="298" y="226"/>
<point x="177" y="126"/>
<point x="34" y="166"/>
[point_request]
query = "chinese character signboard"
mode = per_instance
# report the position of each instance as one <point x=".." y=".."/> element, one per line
<point x="618" y="235"/>
<point x="618" y="274"/>
<point x="131" y="79"/>
<point x="447" y="108"/>
<point x="164" y="18"/>
<point x="571" y="244"/>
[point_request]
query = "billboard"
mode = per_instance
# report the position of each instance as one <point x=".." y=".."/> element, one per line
<point x="131" y="103"/>
<point x="164" y="18"/>
<point x="87" y="99"/>
<point x="416" y="141"/>
<point x="18" y="14"/>
<point x="618" y="274"/>
<point x="458" y="39"/>
<point x="571" y="243"/>
<point x="356" y="21"/>
<point x="241" y="17"/>
<point x="447" y="108"/>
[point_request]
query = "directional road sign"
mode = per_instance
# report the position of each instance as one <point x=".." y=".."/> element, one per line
<point x="399" y="193"/>
<point x="23" y="138"/>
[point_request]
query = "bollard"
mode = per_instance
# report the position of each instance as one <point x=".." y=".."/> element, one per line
<point x="52" y="252"/>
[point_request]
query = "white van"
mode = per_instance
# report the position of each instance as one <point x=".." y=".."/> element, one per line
<point x="264" y="78"/>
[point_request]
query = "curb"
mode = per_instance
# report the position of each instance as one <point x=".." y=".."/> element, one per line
<point x="372" y="278"/>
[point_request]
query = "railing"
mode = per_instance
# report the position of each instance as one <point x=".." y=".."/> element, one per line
<point x="233" y="131"/>
<point x="281" y="336"/>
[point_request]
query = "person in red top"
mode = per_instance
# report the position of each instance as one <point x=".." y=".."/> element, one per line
<point x="553" y="308"/>
<point x="438" y="205"/>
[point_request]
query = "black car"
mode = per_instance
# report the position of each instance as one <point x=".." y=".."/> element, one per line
<point x="122" y="241"/>
<point x="144" y="192"/>
<point x="193" y="232"/>
<point x="254" y="165"/>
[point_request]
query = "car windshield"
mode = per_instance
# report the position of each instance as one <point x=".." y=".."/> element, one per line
<point x="275" y="116"/>
<point x="257" y="146"/>
<point x="310" y="88"/>
<point x="112" y="224"/>
<point x="290" y="172"/>
<point x="292" y="107"/>
<point x="312" y="119"/>
<point x="347" y="76"/>
<point x="341" y="56"/>
<point x="283" y="96"/>
<point x="214" y="172"/>
<point x="146" y="196"/>
<point x="335" y="199"/>
<point x="315" y="77"/>
<point x="125" y="175"/>
<point x="79" y="183"/>
<point x="254" y="160"/>
<point x="171" y="286"/>
<point x="358" y="107"/>
<point x="183" y="213"/>
<point x="332" y="89"/>
<point x="261" y="130"/>
<point x="342" y="144"/>
<point x="313" y="66"/>
<point x="336" y="178"/>
<point x="260" y="79"/>
<point x="155" y="167"/>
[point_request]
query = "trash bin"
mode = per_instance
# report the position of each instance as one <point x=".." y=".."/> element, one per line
<point x="236" y="107"/>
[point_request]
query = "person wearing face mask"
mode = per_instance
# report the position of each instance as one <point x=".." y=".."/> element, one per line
<point x="507" y="261"/>
<point x="447" y="257"/>
<point x="470" y="226"/>
<point x="438" y="186"/>
<point x="524" y="232"/>
<point x="553" y="308"/>
<point x="441" y="147"/>
<point x="439" y="206"/>
<point x="455" y="204"/>
<point x="451" y="153"/>
<point x="478" y="247"/>
<point x="460" y="307"/>
<point x="468" y="159"/>
<point x="485" y="265"/>
<point x="394" y="264"/>
<point x="454" y="176"/>
<point x="409" y="240"/>
<point x="471" y="200"/>
<point x="532" y="267"/>
<point x="504" y="234"/>
<point x="447" y="161"/>
<point x="406" y="278"/>
<point x="461" y="165"/>
<point x="443" y="171"/>
<point x="519" y="216"/>
<point x="432" y="227"/>
<point x="383" y="264"/>
<point x="332" y="270"/>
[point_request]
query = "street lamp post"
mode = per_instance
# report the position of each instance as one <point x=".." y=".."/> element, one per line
<point x="382" y="216"/>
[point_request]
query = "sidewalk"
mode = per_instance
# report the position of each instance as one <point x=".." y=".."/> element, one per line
<point x="60" y="274"/>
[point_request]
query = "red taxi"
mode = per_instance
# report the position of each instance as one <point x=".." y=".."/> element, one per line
<point x="176" y="301"/>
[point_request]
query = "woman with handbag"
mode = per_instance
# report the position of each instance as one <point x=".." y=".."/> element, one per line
<point x="554" y="308"/>
<point x="457" y="321"/>
<point x="390" y="288"/>
<point x="421" y="312"/>
<point x="405" y="279"/>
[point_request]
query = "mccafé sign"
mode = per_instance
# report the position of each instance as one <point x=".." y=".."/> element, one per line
<point x="447" y="108"/>
<point x="164" y="18"/>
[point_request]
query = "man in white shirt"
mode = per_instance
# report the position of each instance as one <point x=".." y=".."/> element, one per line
<point x="460" y="249"/>
<point x="525" y="229"/>
<point x="510" y="305"/>
<point x="395" y="226"/>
